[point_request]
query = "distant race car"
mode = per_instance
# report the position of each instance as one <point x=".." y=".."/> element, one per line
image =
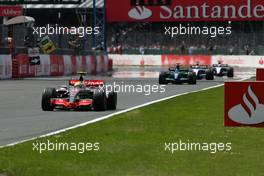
<point x="177" y="76"/>
<point x="223" y="70"/>
<point x="79" y="95"/>
<point x="203" y="72"/>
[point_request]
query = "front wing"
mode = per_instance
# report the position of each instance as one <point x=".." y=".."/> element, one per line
<point x="60" y="103"/>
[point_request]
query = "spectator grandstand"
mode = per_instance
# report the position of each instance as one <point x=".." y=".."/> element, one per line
<point x="247" y="38"/>
<point x="134" y="38"/>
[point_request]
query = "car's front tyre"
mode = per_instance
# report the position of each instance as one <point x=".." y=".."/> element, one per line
<point x="209" y="75"/>
<point x="47" y="95"/>
<point x="192" y="78"/>
<point x="230" y="72"/>
<point x="162" y="78"/>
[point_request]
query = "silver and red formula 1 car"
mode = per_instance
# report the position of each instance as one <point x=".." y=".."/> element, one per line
<point x="79" y="95"/>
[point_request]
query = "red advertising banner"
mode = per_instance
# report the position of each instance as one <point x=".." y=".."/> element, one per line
<point x="56" y="65"/>
<point x="185" y="10"/>
<point x="260" y="74"/>
<point x="10" y="11"/>
<point x="74" y="64"/>
<point x="172" y="60"/>
<point x="244" y="104"/>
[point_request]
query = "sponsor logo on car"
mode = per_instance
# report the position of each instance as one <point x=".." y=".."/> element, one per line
<point x="244" y="104"/>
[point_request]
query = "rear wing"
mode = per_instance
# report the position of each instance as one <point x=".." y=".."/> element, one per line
<point x="88" y="83"/>
<point x="199" y="66"/>
<point x="221" y="65"/>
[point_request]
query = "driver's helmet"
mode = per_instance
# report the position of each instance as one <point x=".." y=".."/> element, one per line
<point x="177" y="67"/>
<point x="196" y="66"/>
<point x="78" y="84"/>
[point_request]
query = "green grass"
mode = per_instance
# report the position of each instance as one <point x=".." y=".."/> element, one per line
<point x="133" y="144"/>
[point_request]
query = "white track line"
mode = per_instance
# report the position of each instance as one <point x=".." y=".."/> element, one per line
<point x="111" y="115"/>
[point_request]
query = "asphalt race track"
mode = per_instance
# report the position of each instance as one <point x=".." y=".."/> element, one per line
<point x="21" y="116"/>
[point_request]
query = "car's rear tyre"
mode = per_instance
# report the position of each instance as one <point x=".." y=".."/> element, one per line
<point x="192" y="78"/>
<point x="99" y="100"/>
<point x="112" y="100"/>
<point x="47" y="95"/>
<point x="199" y="74"/>
<point x="221" y="73"/>
<point x="162" y="79"/>
<point x="209" y="75"/>
<point x="230" y="72"/>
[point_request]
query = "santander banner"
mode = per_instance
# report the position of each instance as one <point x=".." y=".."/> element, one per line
<point x="184" y="10"/>
<point x="244" y="104"/>
<point x="10" y="11"/>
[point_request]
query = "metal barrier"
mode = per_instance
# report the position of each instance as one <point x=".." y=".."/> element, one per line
<point x="23" y="37"/>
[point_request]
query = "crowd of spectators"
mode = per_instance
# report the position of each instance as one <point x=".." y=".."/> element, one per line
<point x="149" y="38"/>
<point x="143" y="38"/>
